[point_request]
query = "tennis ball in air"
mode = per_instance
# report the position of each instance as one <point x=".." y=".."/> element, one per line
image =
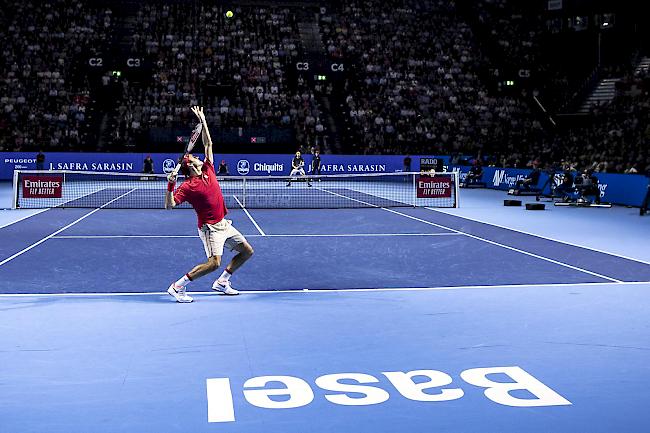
<point x="229" y="14"/>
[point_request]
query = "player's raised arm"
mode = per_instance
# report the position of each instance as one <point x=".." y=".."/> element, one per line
<point x="169" y="194"/>
<point x="205" y="133"/>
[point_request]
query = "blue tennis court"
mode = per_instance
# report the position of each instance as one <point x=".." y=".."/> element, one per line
<point x="364" y="320"/>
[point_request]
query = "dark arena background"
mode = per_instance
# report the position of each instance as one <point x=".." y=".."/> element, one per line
<point x="462" y="244"/>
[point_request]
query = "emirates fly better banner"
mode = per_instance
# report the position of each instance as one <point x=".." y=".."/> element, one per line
<point x="42" y="186"/>
<point x="433" y="186"/>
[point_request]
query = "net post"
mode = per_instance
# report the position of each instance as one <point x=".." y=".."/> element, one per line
<point x="415" y="195"/>
<point x="243" y="191"/>
<point x="456" y="189"/>
<point x="14" y="204"/>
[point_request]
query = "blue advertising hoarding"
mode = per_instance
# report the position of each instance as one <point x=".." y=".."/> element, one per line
<point x="239" y="165"/>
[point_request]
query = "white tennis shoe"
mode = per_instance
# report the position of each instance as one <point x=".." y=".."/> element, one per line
<point x="224" y="287"/>
<point x="179" y="293"/>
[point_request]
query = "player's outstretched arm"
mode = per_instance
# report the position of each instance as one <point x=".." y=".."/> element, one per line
<point x="169" y="194"/>
<point x="205" y="133"/>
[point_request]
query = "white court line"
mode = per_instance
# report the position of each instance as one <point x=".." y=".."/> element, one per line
<point x="24" y="218"/>
<point x="379" y="289"/>
<point x="540" y="236"/>
<point x="486" y="240"/>
<point x="342" y="235"/>
<point x="259" y="229"/>
<point x="35" y="244"/>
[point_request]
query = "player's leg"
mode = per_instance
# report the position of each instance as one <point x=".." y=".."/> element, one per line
<point x="304" y="174"/>
<point x="236" y="242"/>
<point x="211" y="246"/>
<point x="291" y="175"/>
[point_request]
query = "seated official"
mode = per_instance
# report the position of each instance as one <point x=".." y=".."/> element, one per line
<point x="475" y="174"/>
<point x="529" y="182"/>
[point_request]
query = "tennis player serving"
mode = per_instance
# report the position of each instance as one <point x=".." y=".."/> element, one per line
<point x="201" y="189"/>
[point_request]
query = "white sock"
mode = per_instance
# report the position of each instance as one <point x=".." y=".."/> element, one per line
<point x="184" y="281"/>
<point x="225" y="276"/>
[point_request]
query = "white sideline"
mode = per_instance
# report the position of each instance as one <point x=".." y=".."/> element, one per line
<point x="379" y="289"/>
<point x="316" y="235"/>
<point x="566" y="265"/>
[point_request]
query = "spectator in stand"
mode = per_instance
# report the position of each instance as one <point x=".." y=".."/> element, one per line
<point x="407" y="163"/>
<point x="148" y="165"/>
<point x="40" y="160"/>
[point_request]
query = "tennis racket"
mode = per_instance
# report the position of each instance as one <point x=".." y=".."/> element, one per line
<point x="196" y="133"/>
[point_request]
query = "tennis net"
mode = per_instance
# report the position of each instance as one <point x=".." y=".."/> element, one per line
<point x="75" y="189"/>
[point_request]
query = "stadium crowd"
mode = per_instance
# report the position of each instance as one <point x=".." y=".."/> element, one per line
<point x="43" y="94"/>
<point x="415" y="83"/>
<point x="248" y="55"/>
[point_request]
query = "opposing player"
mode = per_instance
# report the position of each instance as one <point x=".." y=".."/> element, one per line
<point x="298" y="168"/>
<point x="201" y="189"/>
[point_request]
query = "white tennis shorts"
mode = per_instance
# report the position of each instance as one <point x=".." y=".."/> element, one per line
<point x="297" y="171"/>
<point x="215" y="236"/>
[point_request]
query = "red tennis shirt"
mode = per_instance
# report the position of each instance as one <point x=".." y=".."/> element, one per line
<point x="204" y="194"/>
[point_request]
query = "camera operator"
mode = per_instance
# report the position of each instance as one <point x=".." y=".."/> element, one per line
<point x="565" y="188"/>
<point x="587" y="186"/>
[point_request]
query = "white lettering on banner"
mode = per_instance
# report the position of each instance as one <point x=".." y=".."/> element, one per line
<point x="298" y="391"/>
<point x="603" y="188"/>
<point x="94" y="166"/>
<point x="41" y="184"/>
<point x="434" y="185"/>
<point x="332" y="167"/>
<point x="269" y="168"/>
<point x="295" y="392"/>
<point x="501" y="176"/>
<point x="362" y="168"/>
<point x="354" y="168"/>
<point x="19" y="161"/>
<point x="499" y="392"/>
<point x="372" y="395"/>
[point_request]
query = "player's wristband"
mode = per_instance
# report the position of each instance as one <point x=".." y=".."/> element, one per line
<point x="170" y="186"/>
